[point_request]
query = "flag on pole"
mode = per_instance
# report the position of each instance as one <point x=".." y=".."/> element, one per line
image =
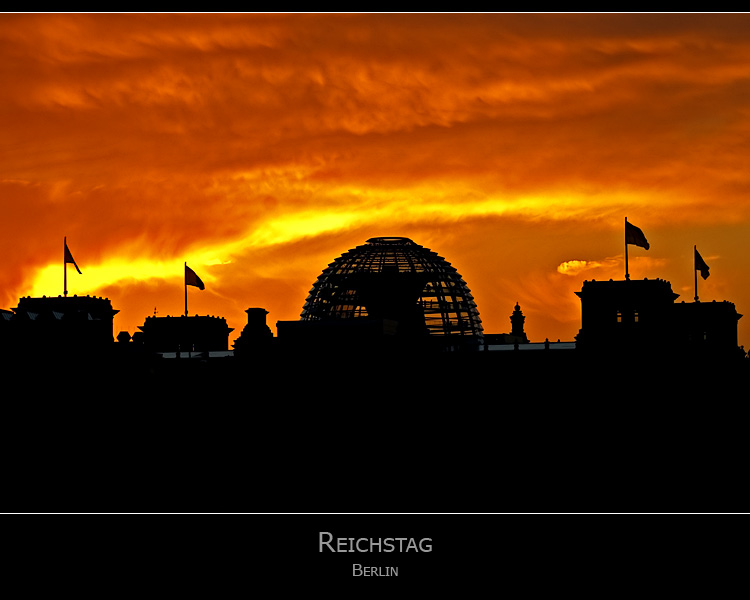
<point x="192" y="279"/>
<point x="69" y="257"/>
<point x="700" y="265"/>
<point x="634" y="236"/>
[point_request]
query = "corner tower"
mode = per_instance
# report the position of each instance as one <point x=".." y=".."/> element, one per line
<point x="627" y="314"/>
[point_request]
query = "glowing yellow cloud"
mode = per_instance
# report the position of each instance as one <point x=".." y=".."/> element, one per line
<point x="574" y="267"/>
<point x="49" y="280"/>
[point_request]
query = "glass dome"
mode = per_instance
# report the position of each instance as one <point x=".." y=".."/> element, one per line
<point x="395" y="278"/>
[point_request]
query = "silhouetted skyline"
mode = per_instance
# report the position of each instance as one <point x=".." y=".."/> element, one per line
<point x="381" y="301"/>
<point x="256" y="147"/>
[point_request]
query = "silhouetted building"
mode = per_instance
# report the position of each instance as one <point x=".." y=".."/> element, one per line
<point x="62" y="324"/>
<point x="707" y="328"/>
<point x="626" y="314"/>
<point x="185" y="334"/>
<point x="256" y="337"/>
<point x="517" y="334"/>
<point x="516" y="323"/>
<point x="389" y="288"/>
<point x="641" y="317"/>
<point x="360" y="333"/>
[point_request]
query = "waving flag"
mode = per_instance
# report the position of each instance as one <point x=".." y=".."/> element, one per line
<point x="69" y="257"/>
<point x="700" y="265"/>
<point x="634" y="236"/>
<point x="192" y="279"/>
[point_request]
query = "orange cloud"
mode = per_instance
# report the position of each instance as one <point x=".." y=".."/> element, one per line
<point x="260" y="147"/>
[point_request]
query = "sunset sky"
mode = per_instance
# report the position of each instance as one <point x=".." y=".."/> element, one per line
<point x="260" y="147"/>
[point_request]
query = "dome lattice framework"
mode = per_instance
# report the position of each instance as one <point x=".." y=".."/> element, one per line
<point x="395" y="278"/>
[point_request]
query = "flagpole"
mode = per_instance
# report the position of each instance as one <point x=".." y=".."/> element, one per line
<point x="65" y="268"/>
<point x="627" y="275"/>
<point x="695" y="273"/>
<point x="185" y="279"/>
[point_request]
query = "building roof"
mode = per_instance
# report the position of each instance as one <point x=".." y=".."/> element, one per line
<point x="395" y="278"/>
